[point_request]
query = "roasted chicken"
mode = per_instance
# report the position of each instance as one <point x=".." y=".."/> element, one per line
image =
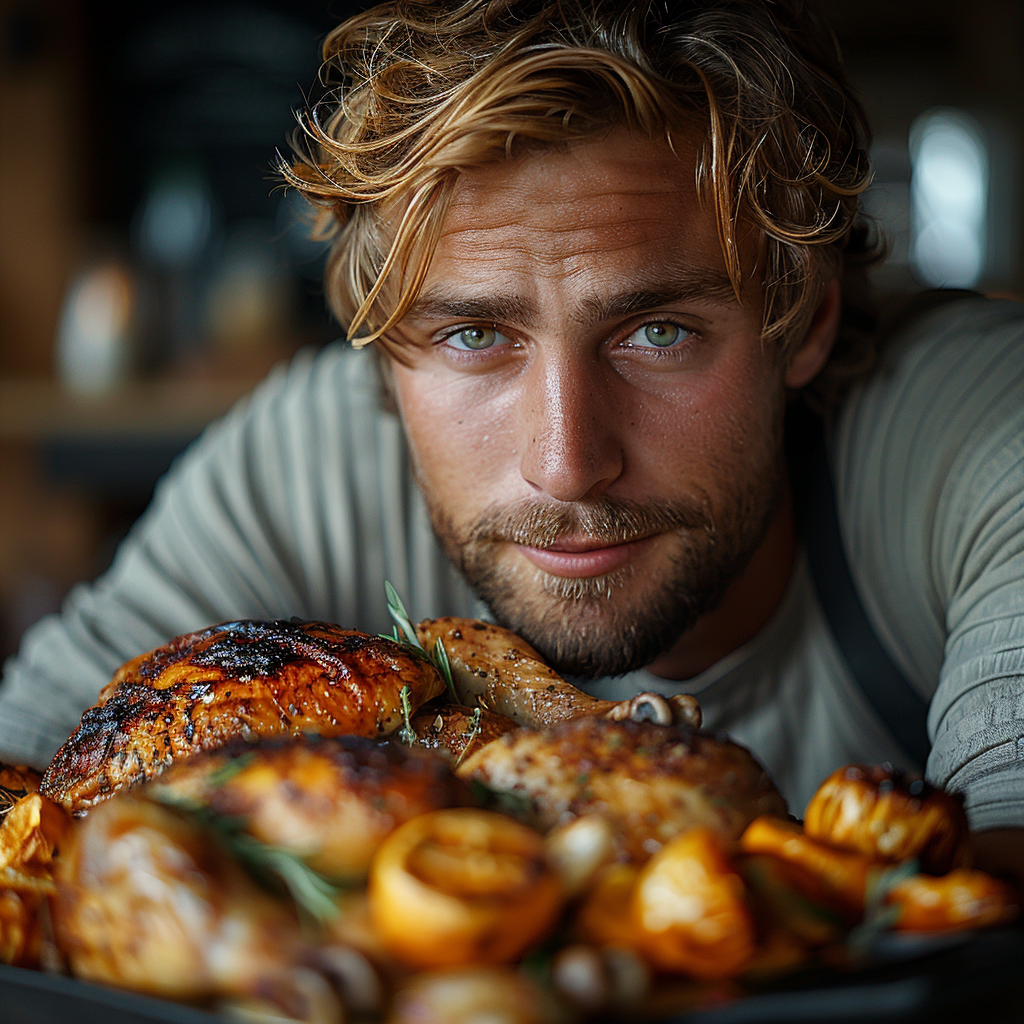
<point x="300" y="839"/>
<point x="453" y="731"/>
<point x="497" y="670"/>
<point x="239" y="679"/>
<point x="328" y="800"/>
<point x="651" y="782"/>
<point x="147" y="899"/>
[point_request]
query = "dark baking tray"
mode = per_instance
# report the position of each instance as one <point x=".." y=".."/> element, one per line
<point x="977" y="979"/>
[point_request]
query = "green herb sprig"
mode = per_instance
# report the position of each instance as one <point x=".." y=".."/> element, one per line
<point x="273" y="867"/>
<point x="403" y="627"/>
<point x="880" y="918"/>
<point x="406" y="734"/>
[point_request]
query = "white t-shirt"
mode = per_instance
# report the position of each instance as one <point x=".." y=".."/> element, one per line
<point x="300" y="502"/>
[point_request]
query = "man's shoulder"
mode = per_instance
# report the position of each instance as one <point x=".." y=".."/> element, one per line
<point x="935" y="333"/>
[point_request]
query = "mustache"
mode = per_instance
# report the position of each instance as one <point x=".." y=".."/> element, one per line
<point x="539" y="524"/>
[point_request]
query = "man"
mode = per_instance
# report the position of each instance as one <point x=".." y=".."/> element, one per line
<point x="599" y="249"/>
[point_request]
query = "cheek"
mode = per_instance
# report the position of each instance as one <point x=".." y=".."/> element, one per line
<point x="713" y="423"/>
<point x="460" y="432"/>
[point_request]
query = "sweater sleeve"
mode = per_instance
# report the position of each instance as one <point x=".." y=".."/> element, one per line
<point x="282" y="508"/>
<point x="930" y="473"/>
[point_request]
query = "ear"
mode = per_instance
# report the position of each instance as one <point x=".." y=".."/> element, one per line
<point x="806" y="362"/>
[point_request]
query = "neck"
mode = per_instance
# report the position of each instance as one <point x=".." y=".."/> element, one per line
<point x="748" y="604"/>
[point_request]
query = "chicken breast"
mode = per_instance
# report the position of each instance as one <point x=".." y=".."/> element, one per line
<point x="238" y="679"/>
<point x="651" y="782"/>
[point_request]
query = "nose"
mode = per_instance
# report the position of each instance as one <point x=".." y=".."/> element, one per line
<point x="570" y="446"/>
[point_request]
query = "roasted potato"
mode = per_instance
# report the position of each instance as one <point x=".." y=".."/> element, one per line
<point x="961" y="899"/>
<point x="833" y="877"/>
<point x="689" y="910"/>
<point x="888" y="815"/>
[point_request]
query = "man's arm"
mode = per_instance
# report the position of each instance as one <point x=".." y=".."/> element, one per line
<point x="930" y="476"/>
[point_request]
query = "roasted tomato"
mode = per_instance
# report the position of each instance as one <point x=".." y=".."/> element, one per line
<point x="833" y="877"/>
<point x="462" y="886"/>
<point x="888" y="815"/>
<point x="961" y="899"/>
<point x="689" y="909"/>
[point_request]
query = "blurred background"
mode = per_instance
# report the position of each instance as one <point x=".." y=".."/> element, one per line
<point x="150" y="273"/>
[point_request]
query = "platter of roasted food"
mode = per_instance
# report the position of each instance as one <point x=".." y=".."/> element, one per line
<point x="290" y="821"/>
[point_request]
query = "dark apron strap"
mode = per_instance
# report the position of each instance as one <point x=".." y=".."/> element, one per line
<point x="902" y="710"/>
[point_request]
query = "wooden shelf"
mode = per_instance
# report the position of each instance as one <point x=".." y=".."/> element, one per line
<point x="39" y="410"/>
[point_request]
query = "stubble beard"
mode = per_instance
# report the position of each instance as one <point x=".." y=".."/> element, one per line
<point x="622" y="620"/>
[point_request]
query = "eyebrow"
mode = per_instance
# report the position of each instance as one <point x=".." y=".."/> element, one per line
<point x="688" y="285"/>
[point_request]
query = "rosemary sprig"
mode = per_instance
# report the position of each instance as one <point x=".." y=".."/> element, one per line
<point x="401" y="616"/>
<point x="271" y="866"/>
<point x="406" y="733"/>
<point x="439" y="656"/>
<point x="474" y="728"/>
<point x="403" y="627"/>
<point x="227" y="771"/>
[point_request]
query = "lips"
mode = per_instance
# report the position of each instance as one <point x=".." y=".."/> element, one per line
<point x="578" y="558"/>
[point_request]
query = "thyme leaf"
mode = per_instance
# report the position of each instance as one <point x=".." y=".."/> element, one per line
<point x="406" y="733"/>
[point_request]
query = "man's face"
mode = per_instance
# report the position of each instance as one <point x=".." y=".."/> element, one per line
<point x="593" y="418"/>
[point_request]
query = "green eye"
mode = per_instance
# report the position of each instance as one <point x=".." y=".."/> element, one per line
<point x="662" y="335"/>
<point x="475" y="338"/>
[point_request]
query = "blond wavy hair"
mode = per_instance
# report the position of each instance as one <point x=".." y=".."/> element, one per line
<point x="414" y="91"/>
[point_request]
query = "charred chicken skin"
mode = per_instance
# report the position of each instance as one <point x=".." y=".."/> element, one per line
<point x="651" y="782"/>
<point x="238" y="679"/>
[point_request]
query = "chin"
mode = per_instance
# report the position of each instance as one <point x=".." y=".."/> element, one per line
<point x="601" y="625"/>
